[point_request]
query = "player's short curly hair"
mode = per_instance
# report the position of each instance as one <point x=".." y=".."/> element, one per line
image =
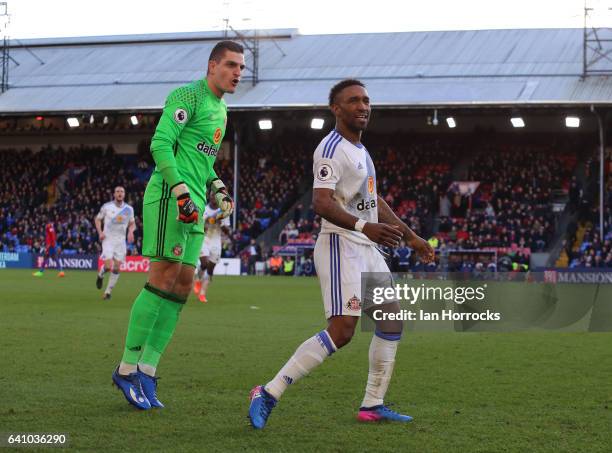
<point x="337" y="88"/>
<point x="221" y="47"/>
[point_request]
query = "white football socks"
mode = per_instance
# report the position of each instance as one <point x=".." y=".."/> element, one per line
<point x="126" y="368"/>
<point x="307" y="357"/>
<point x="112" y="281"/>
<point x="382" y="360"/>
<point x="149" y="370"/>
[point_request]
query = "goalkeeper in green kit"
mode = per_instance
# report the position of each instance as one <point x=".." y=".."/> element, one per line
<point x="184" y="147"/>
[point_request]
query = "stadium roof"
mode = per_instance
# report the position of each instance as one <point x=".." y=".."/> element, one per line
<point x="465" y="68"/>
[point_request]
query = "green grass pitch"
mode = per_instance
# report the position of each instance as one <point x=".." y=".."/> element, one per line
<point x="472" y="392"/>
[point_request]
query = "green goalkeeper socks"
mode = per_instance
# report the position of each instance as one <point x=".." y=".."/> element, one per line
<point x="142" y="318"/>
<point x="153" y="320"/>
<point x="162" y="332"/>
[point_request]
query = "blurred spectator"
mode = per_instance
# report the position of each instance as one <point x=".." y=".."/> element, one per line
<point x="275" y="264"/>
<point x="402" y="255"/>
<point x="253" y="253"/>
<point x="289" y="266"/>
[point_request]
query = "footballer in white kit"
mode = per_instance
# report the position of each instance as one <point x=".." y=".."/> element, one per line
<point x="355" y="220"/>
<point x="112" y="222"/>
<point x="210" y="254"/>
<point x="341" y="255"/>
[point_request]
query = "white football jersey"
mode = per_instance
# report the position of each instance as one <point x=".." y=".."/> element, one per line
<point x="213" y="230"/>
<point x="348" y="170"/>
<point x="116" y="219"/>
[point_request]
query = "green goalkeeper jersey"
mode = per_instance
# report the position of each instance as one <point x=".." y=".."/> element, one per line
<point x="186" y="142"/>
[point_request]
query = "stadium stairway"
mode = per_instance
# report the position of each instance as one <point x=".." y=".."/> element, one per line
<point x="458" y="173"/>
<point x="580" y="232"/>
<point x="557" y="254"/>
<point x="270" y="235"/>
<point x="563" y="260"/>
<point x="461" y="170"/>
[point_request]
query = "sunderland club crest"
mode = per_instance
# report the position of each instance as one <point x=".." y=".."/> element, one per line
<point x="354" y="303"/>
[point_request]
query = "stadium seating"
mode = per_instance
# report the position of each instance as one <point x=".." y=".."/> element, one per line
<point x="271" y="176"/>
<point x="585" y="246"/>
<point x="68" y="185"/>
<point x="510" y="210"/>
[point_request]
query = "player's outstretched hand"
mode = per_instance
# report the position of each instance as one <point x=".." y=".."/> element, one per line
<point x="383" y="233"/>
<point x="187" y="210"/>
<point x="102" y="236"/>
<point x="423" y="249"/>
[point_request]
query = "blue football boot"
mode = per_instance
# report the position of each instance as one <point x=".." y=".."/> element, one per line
<point x="149" y="388"/>
<point x="262" y="404"/>
<point x="132" y="390"/>
<point x="381" y="413"/>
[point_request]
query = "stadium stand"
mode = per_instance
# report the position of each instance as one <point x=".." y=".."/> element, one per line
<point x="271" y="176"/>
<point x="67" y="186"/>
<point x="585" y="246"/>
<point x="513" y="203"/>
<point x="510" y="212"/>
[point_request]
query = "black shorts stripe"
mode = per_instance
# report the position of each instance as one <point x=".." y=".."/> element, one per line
<point x="166" y="201"/>
<point x="159" y="227"/>
<point x="161" y="220"/>
<point x="164" y="223"/>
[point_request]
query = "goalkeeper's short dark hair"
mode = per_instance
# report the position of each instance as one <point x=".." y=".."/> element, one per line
<point x="223" y="46"/>
<point x="337" y="88"/>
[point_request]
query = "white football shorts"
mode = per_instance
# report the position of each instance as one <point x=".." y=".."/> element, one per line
<point x="340" y="263"/>
<point x="211" y="249"/>
<point x="114" y="249"/>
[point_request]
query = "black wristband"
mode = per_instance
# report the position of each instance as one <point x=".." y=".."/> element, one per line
<point x="183" y="196"/>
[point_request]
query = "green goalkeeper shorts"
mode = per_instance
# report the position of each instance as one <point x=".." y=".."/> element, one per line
<point x="165" y="238"/>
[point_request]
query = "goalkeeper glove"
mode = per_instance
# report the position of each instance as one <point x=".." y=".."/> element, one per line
<point x="187" y="210"/>
<point x="224" y="201"/>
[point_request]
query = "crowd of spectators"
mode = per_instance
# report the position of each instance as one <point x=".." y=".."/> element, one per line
<point x="302" y="227"/>
<point x="409" y="177"/>
<point x="512" y="205"/>
<point x="595" y="249"/>
<point x="508" y="206"/>
<point x="271" y="179"/>
<point x="68" y="185"/>
<point x="510" y="209"/>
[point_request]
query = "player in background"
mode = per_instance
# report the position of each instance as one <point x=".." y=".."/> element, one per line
<point x="211" y="247"/>
<point x="51" y="251"/>
<point x="117" y="216"/>
<point x="184" y="147"/>
<point x="355" y="219"/>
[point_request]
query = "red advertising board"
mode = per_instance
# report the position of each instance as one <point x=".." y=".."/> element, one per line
<point x="132" y="264"/>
